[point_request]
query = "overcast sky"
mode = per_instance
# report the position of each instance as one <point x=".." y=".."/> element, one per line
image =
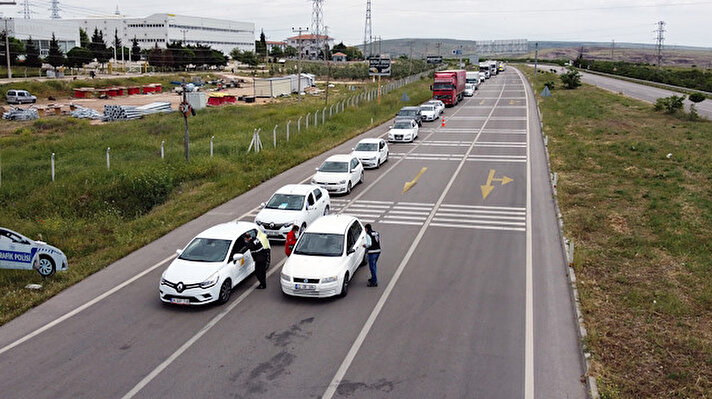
<point x="687" y="21"/>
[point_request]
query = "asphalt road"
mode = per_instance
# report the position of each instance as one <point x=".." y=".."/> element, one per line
<point x="472" y="298"/>
<point x="636" y="90"/>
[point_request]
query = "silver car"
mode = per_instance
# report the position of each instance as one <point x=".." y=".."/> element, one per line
<point x="20" y="97"/>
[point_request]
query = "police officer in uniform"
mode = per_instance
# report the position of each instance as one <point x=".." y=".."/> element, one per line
<point x="259" y="248"/>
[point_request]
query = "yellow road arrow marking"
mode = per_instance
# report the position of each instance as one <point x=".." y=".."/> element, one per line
<point x="511" y="102"/>
<point x="409" y="184"/>
<point x="487" y="188"/>
<point x="482" y="102"/>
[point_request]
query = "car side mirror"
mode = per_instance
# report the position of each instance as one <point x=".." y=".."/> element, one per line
<point x="237" y="257"/>
<point x="390" y="127"/>
<point x="353" y="149"/>
<point x="317" y="169"/>
<point x="262" y="205"/>
<point x="179" y="252"/>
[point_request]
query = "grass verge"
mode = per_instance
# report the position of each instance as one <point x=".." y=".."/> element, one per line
<point x="641" y="220"/>
<point x="97" y="216"/>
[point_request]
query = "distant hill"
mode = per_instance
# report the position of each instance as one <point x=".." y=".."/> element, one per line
<point x="632" y="52"/>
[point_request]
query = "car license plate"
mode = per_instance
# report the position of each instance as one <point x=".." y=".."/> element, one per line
<point x="180" y="301"/>
<point x="306" y="287"/>
<point x="399" y="137"/>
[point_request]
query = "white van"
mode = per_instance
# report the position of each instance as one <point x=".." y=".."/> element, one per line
<point x="19" y="97"/>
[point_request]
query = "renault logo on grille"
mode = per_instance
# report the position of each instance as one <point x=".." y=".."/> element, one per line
<point x="180" y="287"/>
<point x="271" y="225"/>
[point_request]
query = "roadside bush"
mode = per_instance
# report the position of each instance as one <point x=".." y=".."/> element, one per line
<point x="670" y="104"/>
<point x="571" y="79"/>
<point x="696" y="97"/>
<point x="550" y="84"/>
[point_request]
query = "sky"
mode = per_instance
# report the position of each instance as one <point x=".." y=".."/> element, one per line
<point x="687" y="21"/>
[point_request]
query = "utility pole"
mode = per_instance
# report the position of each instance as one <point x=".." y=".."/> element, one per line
<point x="7" y="50"/>
<point x="613" y="45"/>
<point x="54" y="7"/>
<point x="328" y="65"/>
<point x="438" y="45"/>
<point x="410" y="59"/>
<point x="536" y="56"/>
<point x="368" y="33"/>
<point x="317" y="23"/>
<point x="183" y="31"/>
<point x="185" y="108"/>
<point x="659" y="41"/>
<point x="299" y="61"/>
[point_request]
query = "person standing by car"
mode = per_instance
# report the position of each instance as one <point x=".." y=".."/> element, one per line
<point x="291" y="240"/>
<point x="259" y="255"/>
<point x="374" y="251"/>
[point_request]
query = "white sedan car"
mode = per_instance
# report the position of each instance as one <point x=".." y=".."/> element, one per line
<point x="325" y="258"/>
<point x="371" y="152"/>
<point x="299" y="204"/>
<point x="20" y="252"/>
<point x="439" y="106"/>
<point x="403" y="130"/>
<point x="469" y="89"/>
<point x="429" y="112"/>
<point x="339" y="174"/>
<point x="210" y="266"/>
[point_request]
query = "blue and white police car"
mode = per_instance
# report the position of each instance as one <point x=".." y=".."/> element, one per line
<point x="20" y="252"/>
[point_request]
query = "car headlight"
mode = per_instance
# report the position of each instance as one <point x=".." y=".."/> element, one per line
<point x="314" y="181"/>
<point x="285" y="277"/>
<point x="329" y="279"/>
<point x="342" y="182"/>
<point x="211" y="281"/>
<point x="258" y="222"/>
<point x="287" y="224"/>
<point x="164" y="281"/>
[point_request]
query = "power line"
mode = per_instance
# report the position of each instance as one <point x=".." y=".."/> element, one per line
<point x="659" y="41"/>
<point x="318" y="22"/>
<point x="54" y="7"/>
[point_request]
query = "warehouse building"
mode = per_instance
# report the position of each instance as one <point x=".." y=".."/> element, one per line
<point x="41" y="33"/>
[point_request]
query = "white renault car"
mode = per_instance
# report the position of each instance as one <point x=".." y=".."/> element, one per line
<point x="20" y="252"/>
<point x="429" y="112"/>
<point x="339" y="174"/>
<point x="439" y="106"/>
<point x="299" y="204"/>
<point x="210" y="266"/>
<point x="371" y="152"/>
<point x="403" y="130"/>
<point x="325" y="258"/>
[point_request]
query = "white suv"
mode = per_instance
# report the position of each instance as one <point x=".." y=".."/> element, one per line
<point x="293" y="204"/>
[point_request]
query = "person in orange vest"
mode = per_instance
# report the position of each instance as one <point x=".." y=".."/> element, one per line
<point x="291" y="240"/>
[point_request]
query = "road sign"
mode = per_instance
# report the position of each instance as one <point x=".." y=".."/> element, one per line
<point x="434" y="59"/>
<point x="379" y="66"/>
<point x="457" y="52"/>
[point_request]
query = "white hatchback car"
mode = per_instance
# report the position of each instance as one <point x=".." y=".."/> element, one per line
<point x="20" y="252"/>
<point x="371" y="152"/>
<point x="439" y="106"/>
<point x="403" y="130"/>
<point x="429" y="112"/>
<point x="210" y="266"/>
<point x="299" y="204"/>
<point x="339" y="174"/>
<point x="325" y="258"/>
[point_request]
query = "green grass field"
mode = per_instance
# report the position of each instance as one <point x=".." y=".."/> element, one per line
<point x="642" y="225"/>
<point x="97" y="216"/>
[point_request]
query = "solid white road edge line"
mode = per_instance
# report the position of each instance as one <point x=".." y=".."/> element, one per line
<point x="334" y="384"/>
<point x="215" y="320"/>
<point x="82" y="307"/>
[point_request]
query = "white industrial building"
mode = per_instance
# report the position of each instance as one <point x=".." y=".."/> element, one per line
<point x="160" y="29"/>
<point x="41" y="31"/>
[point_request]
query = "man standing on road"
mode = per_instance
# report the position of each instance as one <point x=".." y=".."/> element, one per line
<point x="374" y="251"/>
<point x="259" y="251"/>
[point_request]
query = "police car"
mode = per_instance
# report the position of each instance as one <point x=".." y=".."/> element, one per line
<point x="20" y="252"/>
<point x="211" y="265"/>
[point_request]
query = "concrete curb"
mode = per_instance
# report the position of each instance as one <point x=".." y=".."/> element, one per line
<point x="591" y="382"/>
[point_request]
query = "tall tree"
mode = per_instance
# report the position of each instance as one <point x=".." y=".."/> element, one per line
<point x="135" y="50"/>
<point x="291" y="51"/>
<point x="16" y="47"/>
<point x="83" y="38"/>
<point x="98" y="47"/>
<point x="261" y="45"/>
<point x="78" y="56"/>
<point x="55" y="57"/>
<point x="32" y="54"/>
<point x="117" y="41"/>
<point x="340" y="48"/>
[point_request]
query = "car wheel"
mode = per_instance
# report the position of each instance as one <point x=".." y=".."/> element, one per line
<point x="225" y="291"/>
<point x="348" y="188"/>
<point x="345" y="286"/>
<point x="326" y="210"/>
<point x="46" y="266"/>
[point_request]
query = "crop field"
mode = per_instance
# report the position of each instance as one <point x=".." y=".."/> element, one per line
<point x="635" y="190"/>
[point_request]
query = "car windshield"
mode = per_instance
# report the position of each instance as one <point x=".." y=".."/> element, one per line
<point x="443" y="86"/>
<point x="289" y="202"/>
<point x="407" y="112"/>
<point x="206" y="250"/>
<point x="366" y="147"/>
<point x="402" y="125"/>
<point x="427" y="108"/>
<point x="334" y="167"/>
<point x="320" y="244"/>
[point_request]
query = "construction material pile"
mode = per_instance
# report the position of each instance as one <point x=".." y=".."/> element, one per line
<point x="19" y="114"/>
<point x="86" y="113"/>
<point x="120" y="113"/>
<point x="154" y="108"/>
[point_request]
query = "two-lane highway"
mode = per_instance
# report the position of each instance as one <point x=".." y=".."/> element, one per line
<point x="472" y="298"/>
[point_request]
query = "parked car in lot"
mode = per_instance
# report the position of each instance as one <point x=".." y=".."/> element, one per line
<point x="403" y="130"/>
<point x="429" y="112"/>
<point x="469" y="89"/>
<point x="19" y="97"/>
<point x="410" y="113"/>
<point x="339" y="174"/>
<point x="22" y="253"/>
<point x="439" y="106"/>
<point x="325" y="258"/>
<point x="299" y="204"/>
<point x="210" y="266"/>
<point x="371" y="152"/>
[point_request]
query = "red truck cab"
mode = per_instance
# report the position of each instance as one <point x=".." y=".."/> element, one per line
<point x="449" y="86"/>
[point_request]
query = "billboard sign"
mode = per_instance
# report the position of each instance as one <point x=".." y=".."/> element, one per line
<point x="379" y="66"/>
<point x="434" y="59"/>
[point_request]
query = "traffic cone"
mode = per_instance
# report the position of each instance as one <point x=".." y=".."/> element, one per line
<point x="443" y="124"/>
